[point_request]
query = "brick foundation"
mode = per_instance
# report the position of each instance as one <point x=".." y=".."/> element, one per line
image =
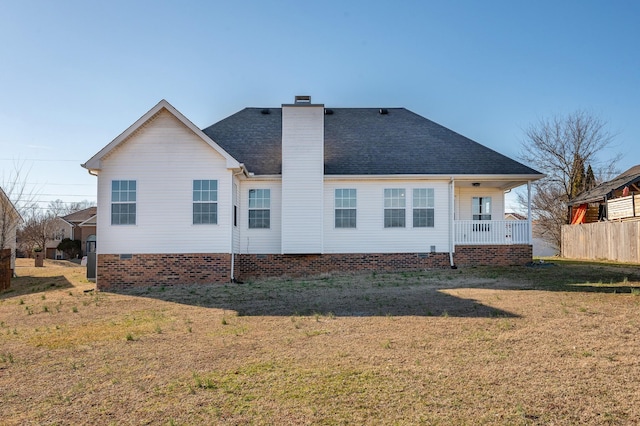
<point x="162" y="269"/>
<point x="273" y="265"/>
<point x="513" y="255"/>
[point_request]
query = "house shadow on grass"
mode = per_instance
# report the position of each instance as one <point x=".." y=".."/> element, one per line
<point x="399" y="294"/>
<point x="28" y="285"/>
<point x="347" y="296"/>
<point x="567" y="276"/>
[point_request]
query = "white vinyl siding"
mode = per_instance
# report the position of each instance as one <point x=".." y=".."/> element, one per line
<point x="261" y="240"/>
<point x="464" y="198"/>
<point x="164" y="157"/>
<point x="302" y="178"/>
<point x="370" y="236"/>
<point x="236" y="215"/>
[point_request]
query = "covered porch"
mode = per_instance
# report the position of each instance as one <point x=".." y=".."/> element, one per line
<point x="478" y="213"/>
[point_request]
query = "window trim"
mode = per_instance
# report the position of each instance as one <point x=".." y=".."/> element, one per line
<point x="261" y="208"/>
<point x="430" y="207"/>
<point x="127" y="202"/>
<point x="201" y="202"/>
<point x="402" y="196"/>
<point x="479" y="204"/>
<point x="345" y="209"/>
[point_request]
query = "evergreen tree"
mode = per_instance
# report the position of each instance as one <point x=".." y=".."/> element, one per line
<point x="590" y="179"/>
<point x="578" y="177"/>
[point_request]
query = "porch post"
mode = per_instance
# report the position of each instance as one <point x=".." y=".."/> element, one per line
<point x="452" y="222"/>
<point x="529" y="221"/>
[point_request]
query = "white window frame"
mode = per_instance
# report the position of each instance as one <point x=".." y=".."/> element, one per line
<point x="345" y="201"/>
<point x="478" y="208"/>
<point x="122" y="197"/>
<point x="395" y="208"/>
<point x="204" y="195"/>
<point x="259" y="204"/>
<point x="424" y="203"/>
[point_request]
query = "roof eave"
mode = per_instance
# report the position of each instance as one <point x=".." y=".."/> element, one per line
<point x="95" y="162"/>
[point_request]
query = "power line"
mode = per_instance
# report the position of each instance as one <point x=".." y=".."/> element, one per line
<point x="66" y="195"/>
<point x="39" y="159"/>
<point x="61" y="184"/>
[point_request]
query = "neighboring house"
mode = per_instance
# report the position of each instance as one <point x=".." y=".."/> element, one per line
<point x="618" y="198"/>
<point x="514" y="216"/>
<point x="10" y="220"/>
<point x="605" y="221"/>
<point x="300" y="189"/>
<point x="80" y="225"/>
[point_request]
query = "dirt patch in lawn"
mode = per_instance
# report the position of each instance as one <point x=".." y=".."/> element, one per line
<point x="539" y="345"/>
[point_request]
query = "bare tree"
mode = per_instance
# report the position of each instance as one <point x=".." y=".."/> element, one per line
<point x="561" y="147"/>
<point x="18" y="197"/>
<point x="38" y="229"/>
<point x="61" y="208"/>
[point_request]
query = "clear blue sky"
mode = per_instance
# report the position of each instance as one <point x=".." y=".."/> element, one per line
<point x="75" y="74"/>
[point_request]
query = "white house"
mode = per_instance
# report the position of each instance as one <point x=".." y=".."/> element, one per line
<point x="297" y="190"/>
<point x="10" y="219"/>
<point x="79" y="225"/>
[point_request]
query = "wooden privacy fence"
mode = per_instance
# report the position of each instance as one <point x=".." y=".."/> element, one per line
<point x="616" y="241"/>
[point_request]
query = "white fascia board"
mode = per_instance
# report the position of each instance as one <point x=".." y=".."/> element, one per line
<point x="65" y="221"/>
<point x="523" y="178"/>
<point x="262" y="177"/>
<point x="85" y="223"/>
<point x="94" y="163"/>
<point x="386" y="177"/>
<point x="506" y="178"/>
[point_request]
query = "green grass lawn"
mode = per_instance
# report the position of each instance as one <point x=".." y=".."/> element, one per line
<point x="532" y="345"/>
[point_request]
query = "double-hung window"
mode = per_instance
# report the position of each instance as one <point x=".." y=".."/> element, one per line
<point x="345" y="212"/>
<point x="394" y="207"/>
<point x="205" y="202"/>
<point x="123" y="202"/>
<point x="423" y="208"/>
<point x="259" y="208"/>
<point x="481" y="209"/>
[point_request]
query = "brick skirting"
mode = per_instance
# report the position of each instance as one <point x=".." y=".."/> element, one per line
<point x="295" y="265"/>
<point x="512" y="255"/>
<point x="119" y="271"/>
<point x="116" y="271"/>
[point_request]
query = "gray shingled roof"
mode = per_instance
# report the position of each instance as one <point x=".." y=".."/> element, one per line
<point x="361" y="141"/>
<point x="605" y="189"/>
<point x="81" y="215"/>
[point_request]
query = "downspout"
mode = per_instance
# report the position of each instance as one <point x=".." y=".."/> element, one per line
<point x="451" y="223"/>
<point x="92" y="173"/>
<point x="243" y="170"/>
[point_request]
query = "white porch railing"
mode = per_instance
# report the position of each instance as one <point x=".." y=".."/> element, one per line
<point x="495" y="232"/>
